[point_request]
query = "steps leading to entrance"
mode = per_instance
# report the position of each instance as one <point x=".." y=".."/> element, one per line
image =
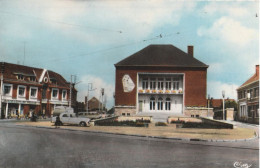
<point x="159" y="117"/>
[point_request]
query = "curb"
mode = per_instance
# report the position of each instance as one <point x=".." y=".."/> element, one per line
<point x="156" y="137"/>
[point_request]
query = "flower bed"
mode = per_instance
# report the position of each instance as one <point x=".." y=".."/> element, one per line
<point x="121" y="123"/>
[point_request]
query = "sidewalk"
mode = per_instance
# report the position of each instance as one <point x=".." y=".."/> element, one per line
<point x="236" y="134"/>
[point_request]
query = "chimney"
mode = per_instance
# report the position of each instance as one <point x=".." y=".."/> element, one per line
<point x="190" y="50"/>
<point x="257" y="70"/>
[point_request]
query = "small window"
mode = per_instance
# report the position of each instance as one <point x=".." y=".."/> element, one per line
<point x="65" y="115"/>
<point x="192" y="115"/>
<point x="128" y="114"/>
<point x="54" y="81"/>
<point x="70" y="115"/>
<point x="32" y="78"/>
<point x="20" y="76"/>
<point x="123" y="114"/>
<point x="197" y="116"/>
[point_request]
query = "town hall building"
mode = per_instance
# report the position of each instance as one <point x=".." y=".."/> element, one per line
<point x="161" y="79"/>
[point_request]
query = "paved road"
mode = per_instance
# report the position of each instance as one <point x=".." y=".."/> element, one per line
<point x="40" y="147"/>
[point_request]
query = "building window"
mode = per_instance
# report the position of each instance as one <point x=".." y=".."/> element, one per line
<point x="20" y="76"/>
<point x="53" y="81"/>
<point x="152" y="84"/>
<point x="256" y="92"/>
<point x="168" y="104"/>
<point x="54" y="93"/>
<point x="145" y="83"/>
<point x="160" y="104"/>
<point x="64" y="94"/>
<point x="21" y="91"/>
<point x="160" y="84"/>
<point x="176" y="85"/>
<point x="152" y="103"/>
<point x="123" y="114"/>
<point x="32" y="78"/>
<point x="168" y="84"/>
<point x="128" y="114"/>
<point x="7" y="90"/>
<point x="33" y="92"/>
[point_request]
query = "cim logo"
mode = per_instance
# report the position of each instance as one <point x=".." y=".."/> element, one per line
<point x="242" y="165"/>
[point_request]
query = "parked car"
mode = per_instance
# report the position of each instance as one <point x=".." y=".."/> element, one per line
<point x="71" y="118"/>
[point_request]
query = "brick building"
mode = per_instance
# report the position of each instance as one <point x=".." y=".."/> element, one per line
<point x="28" y="89"/>
<point x="161" y="79"/>
<point x="248" y="99"/>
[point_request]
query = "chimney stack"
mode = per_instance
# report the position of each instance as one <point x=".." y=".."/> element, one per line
<point x="190" y="50"/>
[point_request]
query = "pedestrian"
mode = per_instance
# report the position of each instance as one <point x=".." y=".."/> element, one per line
<point x="57" y="122"/>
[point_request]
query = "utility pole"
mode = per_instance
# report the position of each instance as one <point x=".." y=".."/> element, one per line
<point x="71" y="77"/>
<point x="2" y="78"/>
<point x="223" y="95"/>
<point x="89" y="89"/>
<point x="102" y="93"/>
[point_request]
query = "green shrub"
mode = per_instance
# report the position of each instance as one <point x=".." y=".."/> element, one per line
<point x="160" y="124"/>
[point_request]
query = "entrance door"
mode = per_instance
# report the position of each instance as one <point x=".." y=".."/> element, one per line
<point x="140" y="106"/>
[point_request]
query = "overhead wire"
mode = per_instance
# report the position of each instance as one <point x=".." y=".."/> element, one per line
<point x="61" y="22"/>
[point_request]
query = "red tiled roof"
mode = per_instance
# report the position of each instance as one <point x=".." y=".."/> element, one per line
<point x="11" y="70"/>
<point x="254" y="78"/>
<point x="218" y="102"/>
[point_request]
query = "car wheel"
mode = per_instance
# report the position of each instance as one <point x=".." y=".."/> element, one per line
<point x="82" y="124"/>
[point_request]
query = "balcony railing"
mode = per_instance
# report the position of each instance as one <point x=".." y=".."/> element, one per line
<point x="148" y="91"/>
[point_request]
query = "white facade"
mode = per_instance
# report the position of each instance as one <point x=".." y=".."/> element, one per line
<point x="160" y="93"/>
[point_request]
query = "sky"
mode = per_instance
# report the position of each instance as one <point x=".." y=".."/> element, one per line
<point x="86" y="37"/>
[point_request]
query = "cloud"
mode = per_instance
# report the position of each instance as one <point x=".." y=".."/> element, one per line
<point x="97" y="84"/>
<point x="100" y="21"/>
<point x="215" y="89"/>
<point x="230" y="31"/>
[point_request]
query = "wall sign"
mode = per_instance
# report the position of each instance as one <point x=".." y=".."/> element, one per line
<point x="128" y="84"/>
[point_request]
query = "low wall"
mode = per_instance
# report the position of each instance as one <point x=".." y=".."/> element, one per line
<point x="103" y="119"/>
<point x="185" y="119"/>
<point x="125" y="110"/>
<point x="198" y="112"/>
<point x="221" y="124"/>
<point x="134" y="118"/>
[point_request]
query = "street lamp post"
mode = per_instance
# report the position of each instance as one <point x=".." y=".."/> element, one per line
<point x="223" y="95"/>
<point x="208" y="105"/>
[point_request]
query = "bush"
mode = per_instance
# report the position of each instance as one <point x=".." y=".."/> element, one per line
<point x="120" y="123"/>
<point x="177" y="122"/>
<point x="160" y="124"/>
<point x="143" y="121"/>
<point x="202" y="125"/>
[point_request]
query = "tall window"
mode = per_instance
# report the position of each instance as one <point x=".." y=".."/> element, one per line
<point x="160" y="83"/>
<point x="160" y="104"/>
<point x="33" y="92"/>
<point x="145" y="83"/>
<point x="7" y="90"/>
<point x="64" y="94"/>
<point x="168" y="84"/>
<point x="21" y="91"/>
<point x="176" y="85"/>
<point x="54" y="94"/>
<point x="152" y="103"/>
<point x="152" y="84"/>
<point x="168" y="104"/>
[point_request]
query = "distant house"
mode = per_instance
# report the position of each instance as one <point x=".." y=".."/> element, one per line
<point x="161" y="79"/>
<point x="94" y="104"/>
<point x="28" y="89"/>
<point x="248" y="99"/>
